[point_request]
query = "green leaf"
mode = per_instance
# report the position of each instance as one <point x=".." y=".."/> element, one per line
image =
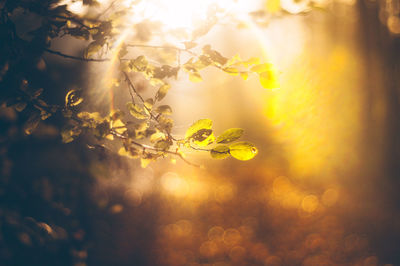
<point x="230" y="135"/>
<point x="164" y="109"/>
<point x="243" y="150"/>
<point x="220" y="152"/>
<point x="200" y="124"/>
<point x="162" y="91"/>
<point x="136" y="110"/>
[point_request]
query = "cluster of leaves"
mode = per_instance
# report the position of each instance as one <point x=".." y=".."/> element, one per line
<point x="201" y="135"/>
<point x="145" y="133"/>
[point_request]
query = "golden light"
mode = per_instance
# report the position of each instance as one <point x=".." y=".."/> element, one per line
<point x="179" y="14"/>
<point x="189" y="187"/>
<point x="174" y="184"/>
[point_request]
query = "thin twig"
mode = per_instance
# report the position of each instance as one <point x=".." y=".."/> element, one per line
<point x="130" y="84"/>
<point x="162" y="47"/>
<point x="76" y="57"/>
<point x="105" y="10"/>
<point x="147" y="147"/>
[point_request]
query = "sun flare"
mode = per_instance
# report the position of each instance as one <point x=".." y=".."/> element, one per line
<point x="181" y="14"/>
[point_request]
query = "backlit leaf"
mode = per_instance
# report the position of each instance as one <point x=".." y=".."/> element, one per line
<point x="269" y="80"/>
<point x="201" y="135"/>
<point x="162" y="91"/>
<point x="92" y="48"/>
<point x="251" y="61"/>
<point x="214" y="55"/>
<point x="165" y="123"/>
<point x="164" y="109"/>
<point x="261" y="68"/>
<point x="273" y="6"/>
<point x="157" y="136"/>
<point x="198" y="125"/>
<point x="163" y="144"/>
<point x="231" y="71"/>
<point x="195" y="77"/>
<point x="149" y="103"/>
<point x="136" y="110"/>
<point x="144" y="162"/>
<point x="230" y="135"/>
<point x="118" y="126"/>
<point x="139" y="63"/>
<point x="244" y="75"/>
<point x="243" y="150"/>
<point x="207" y="141"/>
<point x="220" y="152"/>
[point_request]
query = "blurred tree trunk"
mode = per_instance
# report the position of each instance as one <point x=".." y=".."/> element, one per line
<point x="382" y="58"/>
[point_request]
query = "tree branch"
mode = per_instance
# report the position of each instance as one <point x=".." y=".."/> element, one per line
<point x="162" y="47"/>
<point x="76" y="57"/>
<point x="144" y="146"/>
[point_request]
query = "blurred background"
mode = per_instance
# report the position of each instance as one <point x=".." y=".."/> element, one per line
<point x="323" y="189"/>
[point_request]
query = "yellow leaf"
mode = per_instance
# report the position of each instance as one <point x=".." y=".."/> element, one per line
<point x="251" y="61"/>
<point x="230" y="135"/>
<point x="197" y="126"/>
<point x="92" y="48"/>
<point x="210" y="139"/>
<point x="261" y="68"/>
<point x="118" y="125"/>
<point x="195" y="77"/>
<point x="233" y="60"/>
<point x="145" y="162"/>
<point x="273" y="6"/>
<point x="269" y="80"/>
<point x="244" y="75"/>
<point x="231" y="71"/>
<point x="220" y="152"/>
<point x="243" y="150"/>
<point x="162" y="91"/>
